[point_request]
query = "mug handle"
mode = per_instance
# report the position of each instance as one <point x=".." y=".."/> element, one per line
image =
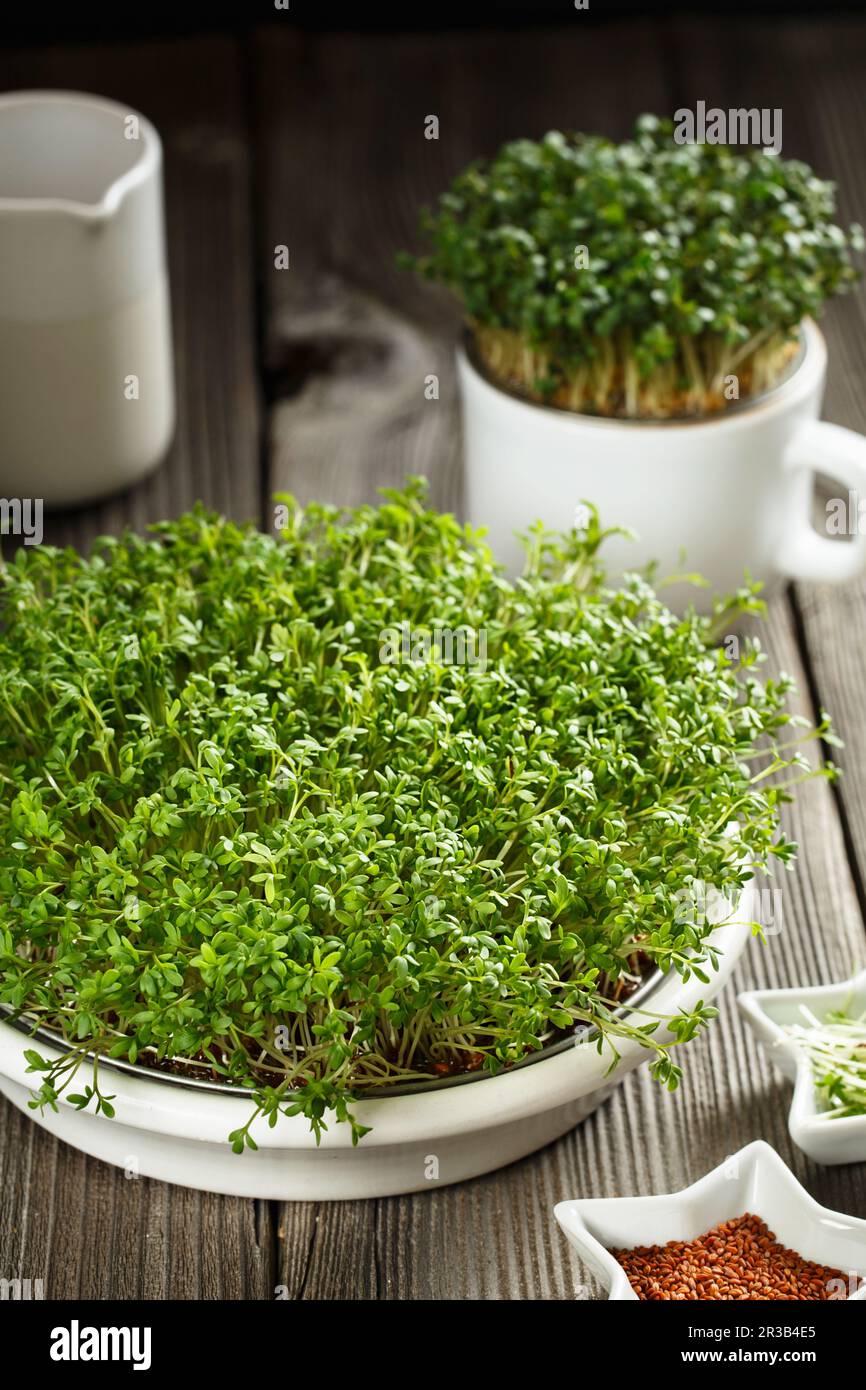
<point x="841" y="454"/>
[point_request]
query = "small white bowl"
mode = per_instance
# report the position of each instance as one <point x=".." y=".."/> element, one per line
<point x="754" y="1180"/>
<point x="812" y="1128"/>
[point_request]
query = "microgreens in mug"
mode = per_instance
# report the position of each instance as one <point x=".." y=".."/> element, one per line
<point x="647" y="279"/>
<point x="235" y="842"/>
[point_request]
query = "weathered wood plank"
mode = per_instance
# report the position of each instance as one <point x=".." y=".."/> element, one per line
<point x="834" y="620"/>
<point x="81" y="1226"/>
<point x="91" y="1231"/>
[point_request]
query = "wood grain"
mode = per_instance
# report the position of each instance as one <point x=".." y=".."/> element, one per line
<point x="834" y="620"/>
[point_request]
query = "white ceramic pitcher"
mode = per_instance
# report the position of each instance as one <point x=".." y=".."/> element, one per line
<point x="86" y="378"/>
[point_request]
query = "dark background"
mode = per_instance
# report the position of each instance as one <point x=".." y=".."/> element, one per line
<point x="53" y="22"/>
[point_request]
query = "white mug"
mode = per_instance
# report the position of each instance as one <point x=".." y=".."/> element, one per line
<point x="86" y="377"/>
<point x="719" y="495"/>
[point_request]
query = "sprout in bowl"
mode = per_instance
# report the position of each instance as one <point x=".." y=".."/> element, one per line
<point x="343" y="809"/>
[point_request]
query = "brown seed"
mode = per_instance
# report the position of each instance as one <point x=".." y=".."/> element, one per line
<point x="739" y="1259"/>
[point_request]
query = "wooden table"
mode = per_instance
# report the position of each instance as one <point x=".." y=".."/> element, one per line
<point x="311" y="379"/>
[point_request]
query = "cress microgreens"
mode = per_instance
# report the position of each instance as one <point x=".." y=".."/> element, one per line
<point x="637" y="279"/>
<point x="836" y="1048"/>
<point x="232" y="834"/>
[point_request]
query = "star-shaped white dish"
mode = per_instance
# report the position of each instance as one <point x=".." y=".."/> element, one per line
<point x="813" y="1129"/>
<point x="754" y="1180"/>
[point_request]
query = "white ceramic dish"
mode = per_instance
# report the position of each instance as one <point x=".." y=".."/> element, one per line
<point x="734" y="488"/>
<point x="753" y="1180"/>
<point x="768" y="1012"/>
<point x="175" y="1132"/>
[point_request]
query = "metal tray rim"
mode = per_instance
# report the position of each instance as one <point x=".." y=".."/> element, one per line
<point x="403" y="1088"/>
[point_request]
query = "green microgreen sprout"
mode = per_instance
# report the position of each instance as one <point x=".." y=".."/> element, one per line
<point x="240" y="841"/>
<point x="836" y="1049"/>
<point x="647" y="279"/>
